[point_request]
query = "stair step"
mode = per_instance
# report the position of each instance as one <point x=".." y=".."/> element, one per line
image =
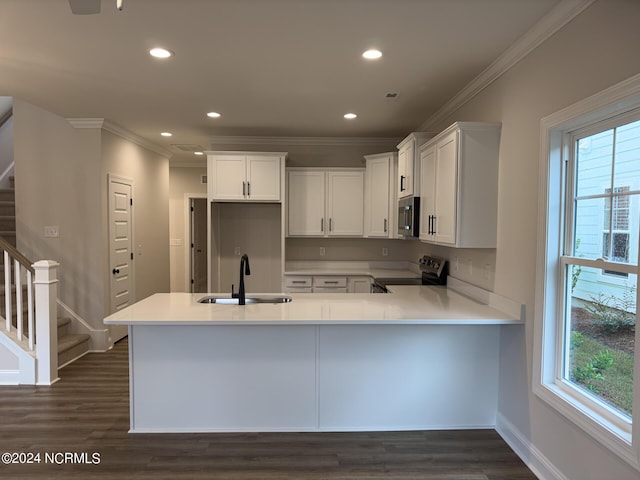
<point x="7" y="207"/>
<point x="8" y="194"/>
<point x="63" y="326"/>
<point x="71" y="347"/>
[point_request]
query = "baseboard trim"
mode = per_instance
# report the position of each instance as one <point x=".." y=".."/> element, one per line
<point x="528" y="453"/>
<point x="9" y="377"/>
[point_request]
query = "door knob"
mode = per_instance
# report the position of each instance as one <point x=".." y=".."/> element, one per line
<point x="116" y="271"/>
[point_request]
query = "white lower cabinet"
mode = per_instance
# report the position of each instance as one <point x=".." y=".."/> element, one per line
<point x="298" y="284"/>
<point x="359" y="284"/>
<point x="327" y="284"/>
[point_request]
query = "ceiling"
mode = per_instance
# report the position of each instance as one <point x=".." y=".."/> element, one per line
<point x="283" y="68"/>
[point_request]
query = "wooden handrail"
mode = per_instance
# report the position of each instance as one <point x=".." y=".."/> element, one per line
<point x="24" y="261"/>
<point x="7" y="115"/>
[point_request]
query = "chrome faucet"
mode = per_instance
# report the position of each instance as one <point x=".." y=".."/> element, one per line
<point x="244" y="270"/>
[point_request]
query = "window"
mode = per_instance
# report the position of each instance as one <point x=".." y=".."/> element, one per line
<point x="587" y="292"/>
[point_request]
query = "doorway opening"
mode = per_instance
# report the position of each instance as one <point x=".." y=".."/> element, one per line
<point x="197" y="244"/>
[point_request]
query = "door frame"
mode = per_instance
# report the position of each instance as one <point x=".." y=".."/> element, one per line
<point x="114" y="178"/>
<point x="187" y="243"/>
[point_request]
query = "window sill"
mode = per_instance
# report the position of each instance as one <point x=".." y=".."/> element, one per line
<point x="597" y="426"/>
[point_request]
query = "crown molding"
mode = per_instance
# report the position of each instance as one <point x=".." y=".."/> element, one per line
<point x="111" y="127"/>
<point x="557" y="18"/>
<point x="308" y="141"/>
<point x="86" y="122"/>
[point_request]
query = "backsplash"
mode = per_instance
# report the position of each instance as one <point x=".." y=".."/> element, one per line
<point x="345" y="249"/>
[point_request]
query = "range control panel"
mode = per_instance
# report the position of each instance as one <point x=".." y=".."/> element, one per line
<point x="433" y="267"/>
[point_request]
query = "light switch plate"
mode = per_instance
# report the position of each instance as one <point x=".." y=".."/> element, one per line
<point x="51" y="231"/>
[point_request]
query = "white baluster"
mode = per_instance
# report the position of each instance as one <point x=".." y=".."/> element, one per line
<point x="7" y="289"/>
<point x="30" y="327"/>
<point x="18" y="281"/>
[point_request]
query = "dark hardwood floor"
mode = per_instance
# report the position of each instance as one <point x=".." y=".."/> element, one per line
<point x="77" y="429"/>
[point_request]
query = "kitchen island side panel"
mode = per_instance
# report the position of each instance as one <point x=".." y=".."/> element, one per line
<point x="219" y="378"/>
<point x="408" y="377"/>
<point x="222" y="378"/>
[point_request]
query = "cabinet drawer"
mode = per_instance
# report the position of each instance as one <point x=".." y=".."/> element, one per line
<point x="292" y="289"/>
<point x="330" y="289"/>
<point x="297" y="281"/>
<point x="330" y="281"/>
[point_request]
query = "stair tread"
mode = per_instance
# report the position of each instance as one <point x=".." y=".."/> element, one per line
<point x="62" y="321"/>
<point x="69" y="341"/>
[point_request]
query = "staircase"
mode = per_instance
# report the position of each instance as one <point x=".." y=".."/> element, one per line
<point x="70" y="345"/>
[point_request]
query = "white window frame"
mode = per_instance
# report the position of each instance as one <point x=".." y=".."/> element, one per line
<point x="592" y="416"/>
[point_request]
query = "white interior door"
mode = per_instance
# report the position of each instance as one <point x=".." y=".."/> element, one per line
<point x="120" y="249"/>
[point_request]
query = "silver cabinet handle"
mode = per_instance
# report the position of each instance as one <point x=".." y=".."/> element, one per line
<point x="330" y="224"/>
<point x="299" y="281"/>
<point x="244" y="189"/>
<point x="385" y="225"/>
<point x="248" y="189"/>
<point x="330" y="282"/>
<point x="322" y="225"/>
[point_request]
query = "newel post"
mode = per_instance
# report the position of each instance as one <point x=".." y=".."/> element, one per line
<point x="46" y="298"/>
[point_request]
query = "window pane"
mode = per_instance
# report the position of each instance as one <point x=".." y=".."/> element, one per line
<point x="591" y="224"/>
<point x="599" y="347"/>
<point x="627" y="156"/>
<point x="594" y="164"/>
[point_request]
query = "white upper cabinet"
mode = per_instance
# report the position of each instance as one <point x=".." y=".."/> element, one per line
<point x="459" y="186"/>
<point x="245" y="176"/>
<point x="409" y="165"/>
<point x="325" y="203"/>
<point x="305" y="202"/>
<point x="379" y="193"/>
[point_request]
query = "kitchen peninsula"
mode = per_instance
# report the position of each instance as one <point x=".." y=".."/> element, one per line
<point x="417" y="358"/>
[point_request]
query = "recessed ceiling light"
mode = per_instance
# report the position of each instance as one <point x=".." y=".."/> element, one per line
<point x="198" y="153"/>
<point x="166" y="134"/>
<point x="214" y="115"/>
<point x="159" y="52"/>
<point x="350" y="116"/>
<point x="372" y="54"/>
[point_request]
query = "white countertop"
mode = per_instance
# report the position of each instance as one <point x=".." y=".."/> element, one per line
<point x="405" y="305"/>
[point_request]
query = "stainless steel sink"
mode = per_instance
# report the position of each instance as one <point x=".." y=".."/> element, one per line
<point x="250" y="299"/>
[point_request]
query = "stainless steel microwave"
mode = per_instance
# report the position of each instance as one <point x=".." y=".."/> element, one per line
<point x="409" y="217"/>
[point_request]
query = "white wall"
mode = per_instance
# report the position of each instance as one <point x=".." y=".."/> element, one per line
<point x="150" y="174"/>
<point x="58" y="183"/>
<point x="594" y="51"/>
<point x="182" y="180"/>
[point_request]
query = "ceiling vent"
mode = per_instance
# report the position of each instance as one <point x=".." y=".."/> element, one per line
<point x="187" y="147"/>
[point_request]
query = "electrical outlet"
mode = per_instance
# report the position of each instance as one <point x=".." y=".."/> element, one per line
<point x="175" y="242"/>
<point x="236" y="251"/>
<point x="385" y="252"/>
<point x="487" y="271"/>
<point x="322" y="251"/>
<point x="456" y="264"/>
<point x="51" y="231"/>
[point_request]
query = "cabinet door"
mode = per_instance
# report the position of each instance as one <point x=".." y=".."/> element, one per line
<point x="263" y="178"/>
<point x="427" y="191"/>
<point x="345" y="203"/>
<point x="306" y="203"/>
<point x="446" y="188"/>
<point x="405" y="170"/>
<point x="359" y="285"/>
<point x="226" y="177"/>
<point x="377" y="218"/>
